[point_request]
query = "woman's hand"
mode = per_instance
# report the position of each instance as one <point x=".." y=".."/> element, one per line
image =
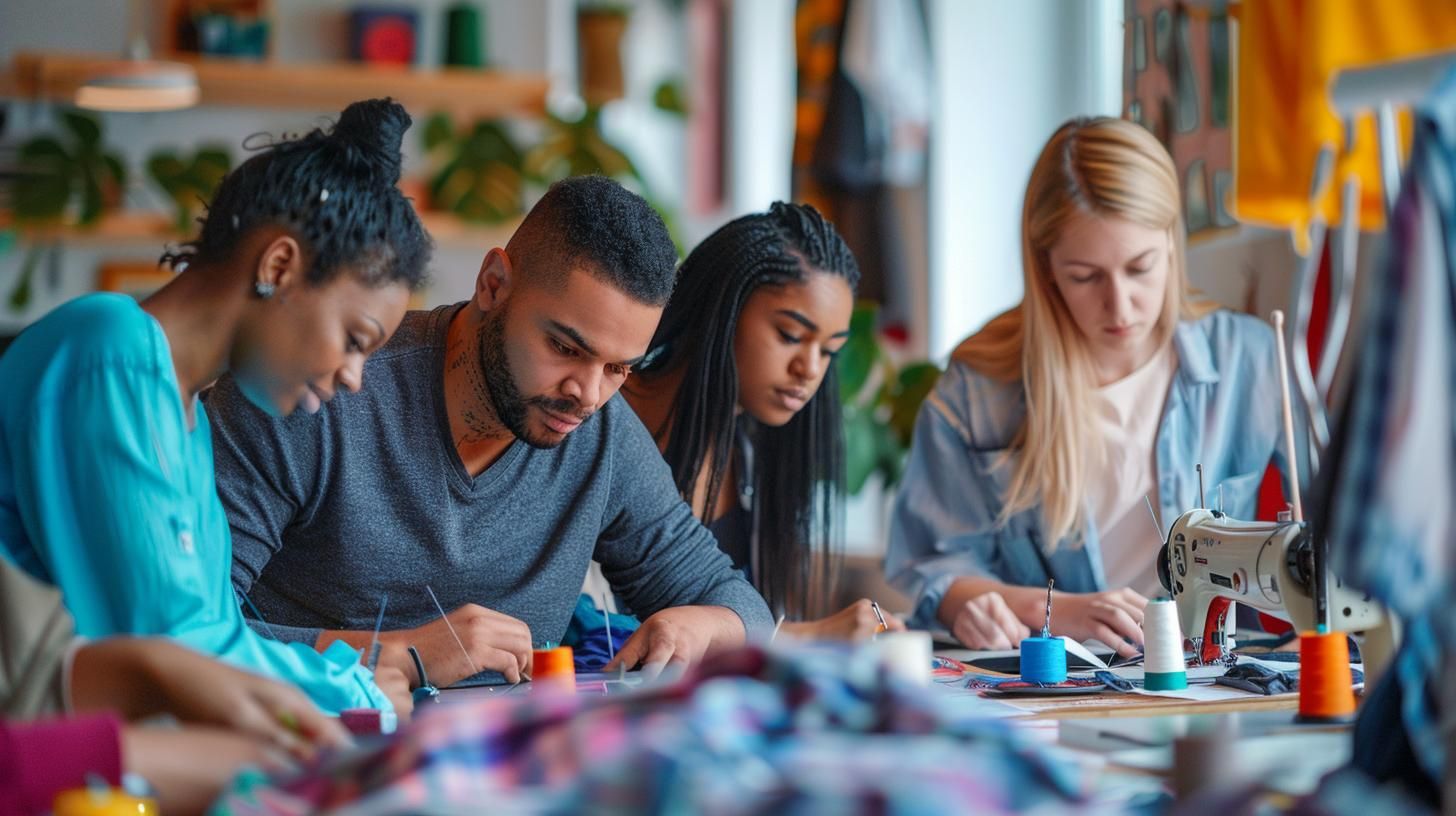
<point x="857" y="621"/>
<point x="140" y="677"/>
<point x="189" y="767"/>
<point x="987" y="622"/>
<point x="1114" y="617"/>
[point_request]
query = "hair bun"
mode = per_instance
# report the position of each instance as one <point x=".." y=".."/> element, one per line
<point x="374" y="130"/>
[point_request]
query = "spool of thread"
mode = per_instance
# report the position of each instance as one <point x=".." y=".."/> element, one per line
<point x="1325" y="684"/>
<point x="554" y="669"/>
<point x="1164" y="668"/>
<point x="463" y="27"/>
<point x="368" y="722"/>
<point x="906" y="655"/>
<point x="1043" y="660"/>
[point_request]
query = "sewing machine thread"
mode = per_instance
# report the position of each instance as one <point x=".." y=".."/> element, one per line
<point x="1164" y="668"/>
<point x="1325" y="693"/>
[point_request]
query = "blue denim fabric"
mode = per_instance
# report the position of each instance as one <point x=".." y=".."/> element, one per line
<point x="1222" y="411"/>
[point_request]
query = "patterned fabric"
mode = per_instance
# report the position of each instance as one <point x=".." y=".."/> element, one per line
<point x="746" y="732"/>
<point x="1390" y="526"/>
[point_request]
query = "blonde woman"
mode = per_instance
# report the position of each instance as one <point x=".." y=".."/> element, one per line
<point x="1107" y="384"/>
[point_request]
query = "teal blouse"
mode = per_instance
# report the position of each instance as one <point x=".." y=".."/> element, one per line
<point x="107" y="493"/>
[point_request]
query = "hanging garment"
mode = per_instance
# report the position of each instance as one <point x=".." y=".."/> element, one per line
<point x="1391" y="472"/>
<point x="1289" y="52"/>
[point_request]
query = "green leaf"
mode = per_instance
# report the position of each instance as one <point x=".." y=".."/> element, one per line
<point x="860" y="352"/>
<point x="115" y="168"/>
<point x="43" y="149"/>
<point x="41" y="193"/>
<point x="167" y="171"/>
<point x="438" y="130"/>
<point x="915" y="383"/>
<point x="85" y="128"/>
<point x="669" y="97"/>
<point x="214" y="160"/>
<point x="21" y="294"/>
<point x="92" y="200"/>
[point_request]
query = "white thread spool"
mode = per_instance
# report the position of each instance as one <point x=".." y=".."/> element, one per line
<point x="1164" y="668"/>
<point x="904" y="654"/>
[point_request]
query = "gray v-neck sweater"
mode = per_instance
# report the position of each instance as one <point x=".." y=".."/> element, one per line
<point x="331" y="512"/>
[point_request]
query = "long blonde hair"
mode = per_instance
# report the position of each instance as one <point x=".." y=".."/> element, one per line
<point x="1100" y="166"/>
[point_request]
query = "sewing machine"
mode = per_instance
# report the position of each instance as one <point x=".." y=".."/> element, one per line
<point x="1211" y="560"/>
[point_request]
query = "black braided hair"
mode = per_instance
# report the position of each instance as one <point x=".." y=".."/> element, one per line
<point x="799" y="477"/>
<point x="594" y="223"/>
<point x="335" y="192"/>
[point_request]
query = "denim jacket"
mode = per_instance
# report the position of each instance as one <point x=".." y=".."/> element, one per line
<point x="1222" y="410"/>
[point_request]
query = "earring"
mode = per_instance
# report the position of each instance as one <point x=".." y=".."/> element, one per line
<point x="264" y="289"/>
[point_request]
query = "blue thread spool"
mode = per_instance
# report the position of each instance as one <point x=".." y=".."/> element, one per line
<point x="1043" y="660"/>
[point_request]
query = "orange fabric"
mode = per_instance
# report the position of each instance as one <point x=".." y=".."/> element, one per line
<point x="1288" y="53"/>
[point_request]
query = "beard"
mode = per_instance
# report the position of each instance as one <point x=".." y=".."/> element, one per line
<point x="512" y="409"/>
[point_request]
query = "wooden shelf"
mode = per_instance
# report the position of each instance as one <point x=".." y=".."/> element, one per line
<point x="131" y="229"/>
<point x="328" y="88"/>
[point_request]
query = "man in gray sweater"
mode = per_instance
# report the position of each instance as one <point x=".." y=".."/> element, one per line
<point x="490" y="460"/>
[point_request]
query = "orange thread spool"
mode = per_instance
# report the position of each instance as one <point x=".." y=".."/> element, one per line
<point x="554" y="668"/>
<point x="1325" y="683"/>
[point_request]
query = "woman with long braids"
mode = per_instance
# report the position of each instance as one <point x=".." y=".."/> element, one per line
<point x="739" y="391"/>
<point x="303" y="268"/>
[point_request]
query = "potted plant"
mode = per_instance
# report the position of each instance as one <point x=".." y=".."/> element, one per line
<point x="478" y="172"/>
<point x="881" y="400"/>
<point x="189" y="182"/>
<point x="599" y="30"/>
<point x="67" y="177"/>
<point x="576" y="147"/>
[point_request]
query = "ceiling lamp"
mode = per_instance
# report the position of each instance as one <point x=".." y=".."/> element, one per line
<point x="138" y="83"/>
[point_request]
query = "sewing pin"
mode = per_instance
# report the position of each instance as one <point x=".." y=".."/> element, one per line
<point x="607" y="617"/>
<point x="1199" y="468"/>
<point x="777" y="624"/>
<point x="474" y="669"/>
<point x="1046" y="628"/>
<point x="372" y="656"/>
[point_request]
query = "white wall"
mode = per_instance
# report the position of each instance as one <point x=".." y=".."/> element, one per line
<point x="1007" y="74"/>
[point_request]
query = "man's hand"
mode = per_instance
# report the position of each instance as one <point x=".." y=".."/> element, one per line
<point x="679" y="636"/>
<point x="495" y="642"/>
<point x="140" y="677"/>
<point x="396" y="686"/>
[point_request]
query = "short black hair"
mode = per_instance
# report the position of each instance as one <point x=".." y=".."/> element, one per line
<point x="596" y="224"/>
<point x="335" y="192"/>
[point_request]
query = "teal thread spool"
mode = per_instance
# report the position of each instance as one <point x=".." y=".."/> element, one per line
<point x="1164" y="668"/>
<point x="1043" y="660"/>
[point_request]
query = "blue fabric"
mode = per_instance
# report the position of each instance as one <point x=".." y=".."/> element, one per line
<point x="1222" y="411"/>
<point x="106" y="493"/>
<point x="586" y="634"/>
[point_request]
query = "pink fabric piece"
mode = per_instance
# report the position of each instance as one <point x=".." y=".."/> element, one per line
<point x="40" y="759"/>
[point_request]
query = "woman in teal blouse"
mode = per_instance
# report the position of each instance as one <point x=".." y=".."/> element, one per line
<point x="303" y="267"/>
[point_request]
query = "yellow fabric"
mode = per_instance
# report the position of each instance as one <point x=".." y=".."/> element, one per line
<point x="1289" y="52"/>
